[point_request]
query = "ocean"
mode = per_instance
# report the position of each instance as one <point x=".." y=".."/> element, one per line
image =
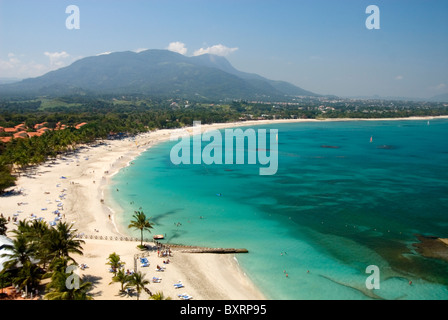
<point x="348" y="196"/>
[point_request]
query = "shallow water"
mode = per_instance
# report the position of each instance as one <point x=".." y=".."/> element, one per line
<point x="337" y="204"/>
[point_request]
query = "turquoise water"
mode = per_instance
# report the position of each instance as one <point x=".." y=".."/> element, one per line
<point x="324" y="217"/>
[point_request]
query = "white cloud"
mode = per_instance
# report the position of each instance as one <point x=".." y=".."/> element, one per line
<point x="11" y="63"/>
<point x="140" y="50"/>
<point x="441" y="86"/>
<point x="21" y="66"/>
<point x="399" y="78"/>
<point x="57" y="59"/>
<point x="178" y="47"/>
<point x="104" y="53"/>
<point x="15" y="68"/>
<point x="219" y="50"/>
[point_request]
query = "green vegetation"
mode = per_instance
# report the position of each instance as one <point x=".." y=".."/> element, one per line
<point x="121" y="277"/>
<point x="137" y="280"/>
<point x="141" y="223"/>
<point x="131" y="281"/>
<point x="115" y="262"/>
<point x="39" y="252"/>
<point x="159" y="296"/>
<point x="159" y="73"/>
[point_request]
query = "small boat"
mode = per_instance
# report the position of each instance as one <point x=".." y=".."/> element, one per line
<point x="158" y="237"/>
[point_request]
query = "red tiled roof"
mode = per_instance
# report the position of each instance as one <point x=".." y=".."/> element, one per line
<point x="21" y="134"/>
<point x="34" y="134"/>
<point x="42" y="130"/>
<point x="21" y="127"/>
<point x="40" y="125"/>
<point x="80" y="125"/>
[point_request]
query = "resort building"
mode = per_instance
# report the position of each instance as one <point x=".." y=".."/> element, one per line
<point x="20" y="131"/>
<point x="4" y="243"/>
<point x="10" y="130"/>
<point x="80" y="125"/>
<point x="40" y="125"/>
<point x="20" y="127"/>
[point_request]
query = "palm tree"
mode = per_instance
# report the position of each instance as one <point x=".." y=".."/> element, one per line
<point x="114" y="262"/>
<point x="140" y="223"/>
<point x="58" y="289"/>
<point x="3" y="224"/>
<point x="20" y="252"/>
<point x="35" y="232"/>
<point x="4" y="278"/>
<point x="29" y="276"/>
<point x="159" y="296"/>
<point x="61" y="242"/>
<point x="122" y="278"/>
<point x="138" y="281"/>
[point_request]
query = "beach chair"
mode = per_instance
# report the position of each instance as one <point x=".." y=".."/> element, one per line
<point x="178" y="285"/>
<point x="144" y="260"/>
<point x="185" y="296"/>
<point x="156" y="280"/>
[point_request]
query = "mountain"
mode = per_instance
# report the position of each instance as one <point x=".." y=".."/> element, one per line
<point x="8" y="80"/>
<point x="154" y="73"/>
<point x="440" y="98"/>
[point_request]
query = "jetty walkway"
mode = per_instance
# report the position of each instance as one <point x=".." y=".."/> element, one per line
<point x="157" y="245"/>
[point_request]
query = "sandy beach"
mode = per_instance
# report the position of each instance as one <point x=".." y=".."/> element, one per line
<point x="75" y="186"/>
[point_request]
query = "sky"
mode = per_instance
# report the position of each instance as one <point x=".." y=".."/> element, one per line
<point x="323" y="46"/>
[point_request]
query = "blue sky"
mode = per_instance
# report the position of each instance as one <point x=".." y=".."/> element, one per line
<point x="320" y="45"/>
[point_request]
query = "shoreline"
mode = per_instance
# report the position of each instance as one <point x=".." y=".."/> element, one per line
<point x="81" y="180"/>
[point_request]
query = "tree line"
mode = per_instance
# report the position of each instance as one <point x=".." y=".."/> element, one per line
<point x="39" y="251"/>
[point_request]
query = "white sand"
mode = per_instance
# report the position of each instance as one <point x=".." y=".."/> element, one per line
<point x="205" y="276"/>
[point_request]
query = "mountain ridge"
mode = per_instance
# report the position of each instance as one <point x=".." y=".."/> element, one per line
<point x="154" y="72"/>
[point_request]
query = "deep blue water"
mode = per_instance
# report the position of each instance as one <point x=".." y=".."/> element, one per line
<point x="337" y="204"/>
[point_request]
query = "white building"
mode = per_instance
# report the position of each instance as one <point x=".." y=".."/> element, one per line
<point x="4" y="241"/>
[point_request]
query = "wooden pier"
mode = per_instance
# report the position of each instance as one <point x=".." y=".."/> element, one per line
<point x="188" y="249"/>
<point x="163" y="246"/>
